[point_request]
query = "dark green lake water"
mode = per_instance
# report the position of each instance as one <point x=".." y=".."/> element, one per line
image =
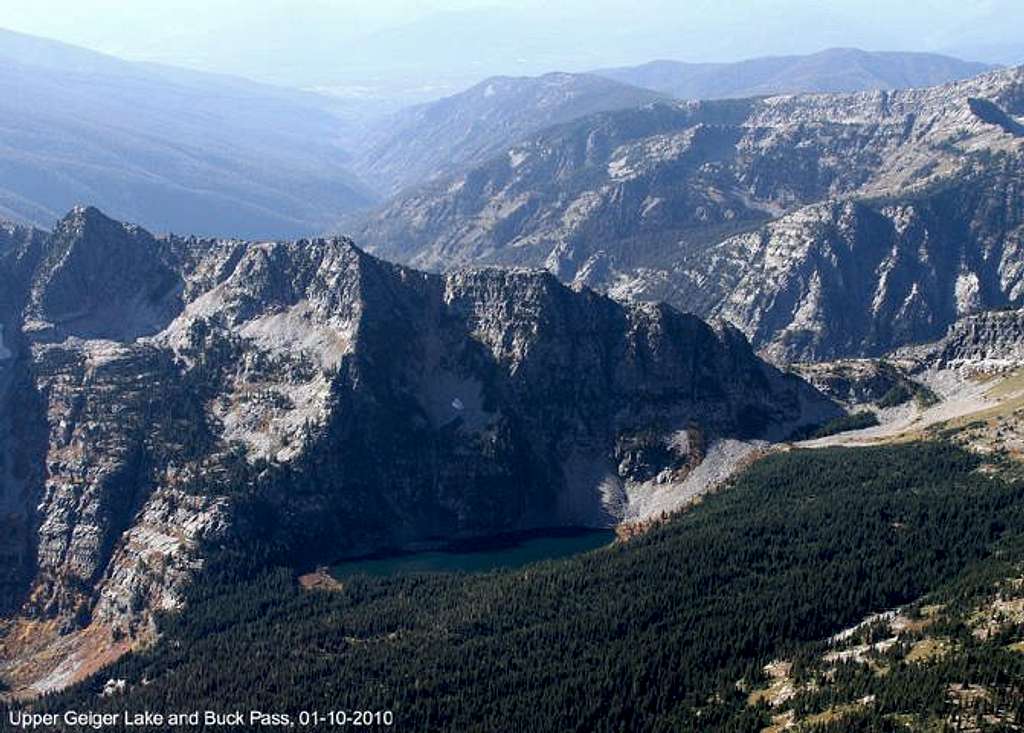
<point x="513" y="551"/>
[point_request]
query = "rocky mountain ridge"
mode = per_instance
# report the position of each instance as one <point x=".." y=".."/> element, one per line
<point x="426" y="142"/>
<point x="308" y="397"/>
<point x="821" y="225"/>
<point x="430" y="141"/>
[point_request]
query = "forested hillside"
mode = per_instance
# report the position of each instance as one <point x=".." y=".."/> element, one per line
<point x="171" y="149"/>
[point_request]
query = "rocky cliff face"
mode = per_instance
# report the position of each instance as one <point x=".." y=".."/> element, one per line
<point x="821" y="225"/>
<point x="102" y="280"/>
<point x="987" y="341"/>
<point x="166" y="397"/>
<point x="20" y="463"/>
<point x="862" y="277"/>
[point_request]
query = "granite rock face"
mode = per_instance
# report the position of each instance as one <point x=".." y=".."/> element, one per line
<point x="164" y="398"/>
<point x="101" y="279"/>
<point x="821" y="225"/>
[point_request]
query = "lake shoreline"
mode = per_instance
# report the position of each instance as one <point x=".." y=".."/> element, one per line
<point x="477" y="554"/>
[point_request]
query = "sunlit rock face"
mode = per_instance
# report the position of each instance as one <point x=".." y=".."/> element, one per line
<point x="986" y="341"/>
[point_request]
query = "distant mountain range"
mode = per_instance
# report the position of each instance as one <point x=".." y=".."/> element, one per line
<point x="419" y="144"/>
<point x="179" y="150"/>
<point x="822" y="226"/>
<point x="175" y="149"/>
<point x="831" y="70"/>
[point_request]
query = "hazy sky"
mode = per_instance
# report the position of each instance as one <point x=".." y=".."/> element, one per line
<point x="349" y="44"/>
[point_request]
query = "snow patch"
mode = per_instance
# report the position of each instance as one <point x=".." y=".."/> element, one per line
<point x="5" y="353"/>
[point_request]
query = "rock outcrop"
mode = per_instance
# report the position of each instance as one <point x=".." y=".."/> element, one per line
<point x="859" y="382"/>
<point x="986" y="341"/>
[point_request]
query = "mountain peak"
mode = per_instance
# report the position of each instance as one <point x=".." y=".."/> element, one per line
<point x="81" y="214"/>
<point x="95" y="227"/>
<point x="102" y="278"/>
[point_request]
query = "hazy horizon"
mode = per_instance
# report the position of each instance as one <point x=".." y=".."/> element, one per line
<point x="429" y="49"/>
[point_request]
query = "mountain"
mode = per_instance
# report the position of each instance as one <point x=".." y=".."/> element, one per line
<point x="174" y="149"/>
<point x="306" y="397"/>
<point x="424" y="142"/>
<point x="369" y="46"/>
<point x="821" y="225"/>
<point x="831" y="70"/>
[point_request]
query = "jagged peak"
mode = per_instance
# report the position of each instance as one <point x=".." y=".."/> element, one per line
<point x="1008" y="74"/>
<point x="82" y="220"/>
<point x="82" y="215"/>
<point x="491" y="272"/>
<point x="101" y="278"/>
<point x="318" y="246"/>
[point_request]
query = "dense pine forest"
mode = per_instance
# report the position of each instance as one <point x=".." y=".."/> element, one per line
<point x="670" y="631"/>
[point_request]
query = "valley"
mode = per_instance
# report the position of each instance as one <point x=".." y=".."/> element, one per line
<point x="176" y="149"/>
